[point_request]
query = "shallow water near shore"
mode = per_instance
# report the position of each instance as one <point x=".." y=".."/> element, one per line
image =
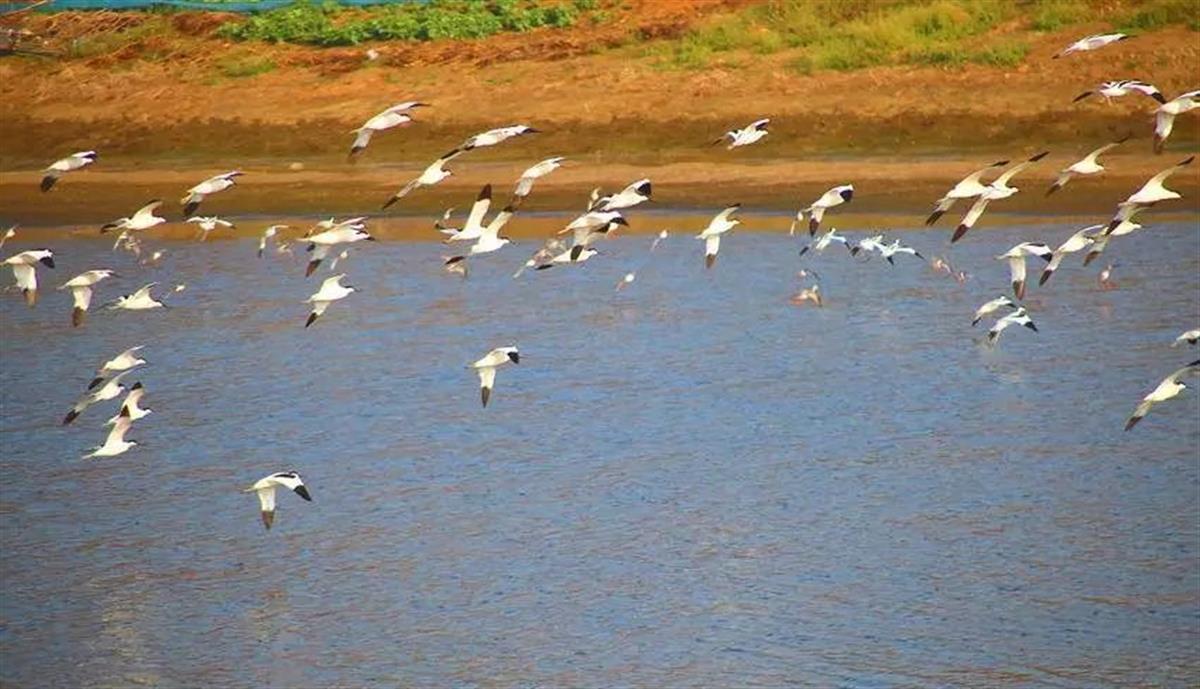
<point x="689" y="482"/>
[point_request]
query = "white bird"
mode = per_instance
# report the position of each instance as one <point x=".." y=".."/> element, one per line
<point x="338" y="259"/>
<point x="115" y="444"/>
<point x="1086" y="166"/>
<point x="358" y="223"/>
<point x="61" y="167"/>
<point x="459" y="268"/>
<point x="81" y="292"/>
<point x="998" y="189"/>
<point x="1076" y="242"/>
<point x="1151" y="193"/>
<point x="1094" y="42"/>
<point x="896" y="247"/>
<point x="632" y="195"/>
<point x="1123" y="87"/>
<point x="489" y="239"/>
<point x="990" y="307"/>
<point x="24" y="268"/>
<point x="8" y="234"/>
<point x="1018" y="317"/>
<point x="525" y="183"/>
<point x="658" y="239"/>
<point x="394" y="116"/>
<point x="210" y="186"/>
<point x="548" y="250"/>
<point x="265" y="488"/>
<point x="585" y="233"/>
<point x="110" y="389"/>
<point x="968" y="188"/>
<point x="208" y="224"/>
<point x="1191" y="337"/>
<point x="486" y="368"/>
<point x="141" y="300"/>
<point x="1016" y="262"/>
<point x="576" y="254"/>
<point x="834" y="197"/>
<point x="1165" y="390"/>
<point x="125" y="361"/>
<point x="331" y="290"/>
<point x="267" y="234"/>
<point x="868" y="244"/>
<point x="1164" y="117"/>
<point x="130" y="406"/>
<point x="1105" y="277"/>
<point x="143" y="219"/>
<point x="433" y="174"/>
<point x="751" y="133"/>
<point x="472" y="229"/>
<point x="825" y="240"/>
<point x="321" y="244"/>
<point x="494" y="136"/>
<point x="626" y="280"/>
<point x="720" y="224"/>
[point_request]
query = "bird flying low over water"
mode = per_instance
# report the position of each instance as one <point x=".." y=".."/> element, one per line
<point x="1016" y="262"/>
<point x="267" y="234"/>
<point x="1191" y="337"/>
<point x="1086" y="166"/>
<point x="143" y="219"/>
<point x="110" y="389"/>
<point x="1170" y="387"/>
<point x="720" y="224"/>
<point x="816" y="212"/>
<point x="751" y="133"/>
<point x="331" y="290"/>
<point x="998" y="189"/>
<point x="81" y="292"/>
<point x="322" y="243"/>
<point x="575" y="255"/>
<point x="115" y="444"/>
<point x="999" y="302"/>
<point x="124" y="361"/>
<point x="130" y="406"/>
<point x="208" y="224"/>
<point x="24" y="268"/>
<point x="58" y="168"/>
<point x="473" y="228"/>
<point x="394" y="116"/>
<point x="890" y="250"/>
<point x="531" y="174"/>
<point x="1076" y="242"/>
<point x="208" y="187"/>
<point x="1123" y="87"/>
<point x="1094" y="42"/>
<point x="968" y="188"/>
<point x="265" y="488"/>
<point x="636" y="193"/>
<point x="486" y="368"/>
<point x="433" y="174"/>
<point x="1164" y="117"/>
<point x="822" y="242"/>
<point x="1151" y="193"/>
<point x="141" y="300"/>
<point x="1018" y="317"/>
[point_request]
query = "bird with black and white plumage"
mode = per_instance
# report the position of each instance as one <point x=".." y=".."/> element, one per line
<point x="816" y="212"/>
<point x="1018" y="317"/>
<point x="331" y="290"/>
<point x="1078" y="241"/>
<point x="998" y="189"/>
<point x="868" y="244"/>
<point x="1085" y="166"/>
<point x="436" y="172"/>
<point x="115" y="444"/>
<point x="635" y="193"/>
<point x="495" y="136"/>
<point x="487" y="365"/>
<point x="322" y="243"/>
<point x="531" y="175"/>
<point x="142" y="219"/>
<point x="140" y="300"/>
<point x="888" y="251"/>
<point x="1190" y="336"/>
<point x="586" y="229"/>
<point x="207" y="224"/>
<point x="125" y="361"/>
<point x="489" y="239"/>
<point x="1000" y="302"/>
<point x="548" y="250"/>
<point x="111" y="388"/>
<point x="577" y="254"/>
<point x="1122" y="87"/>
<point x="395" y="116"/>
<point x="1016" y="262"/>
<point x="473" y="227"/>
<point x="24" y="268"/>
<point x="1164" y="117"/>
<point x="268" y="233"/>
<point x="1168" y="388"/>
<point x="196" y="195"/>
<point x="81" y="292"/>
<point x="58" y="168"/>
<point x="821" y="243"/>
<point x="1093" y="42"/>
<point x="750" y="134"/>
<point x="1150" y="193"/>
<point x="131" y="405"/>
<point x="720" y="224"/>
<point x="265" y="489"/>
<point x="967" y="188"/>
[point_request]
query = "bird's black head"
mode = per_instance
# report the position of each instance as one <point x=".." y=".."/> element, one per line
<point x="514" y="357"/>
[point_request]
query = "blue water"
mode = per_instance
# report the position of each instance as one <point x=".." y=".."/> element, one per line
<point x="688" y="483"/>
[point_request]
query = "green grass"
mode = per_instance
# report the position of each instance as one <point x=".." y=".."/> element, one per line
<point x="1155" y="14"/>
<point x="1055" y="14"/>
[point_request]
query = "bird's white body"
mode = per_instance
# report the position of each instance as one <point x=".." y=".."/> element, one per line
<point x="81" y="291"/>
<point x="436" y="172"/>
<point x="141" y="300"/>
<point x="494" y="136"/>
<point x="266" y="235"/>
<point x="1123" y="87"/>
<point x="473" y="228"/>
<point x="486" y="367"/>
<point x="130" y="406"/>
<point x="1094" y="42"/>
<point x="60" y="167"/>
<point x="1153" y="190"/>
<point x="636" y="193"/>
<point x="998" y="189"/>
<point x="143" y="219"/>
<point x="124" y="361"/>
<point x="115" y="444"/>
<point x="816" y="212"/>
<point x="394" y="116"/>
<point x="265" y="489"/>
<point x="1169" y="388"/>
<point x="536" y="172"/>
<point x="110" y="389"/>
<point x="208" y="224"/>
<point x="1190" y="337"/>
<point x="1089" y="165"/>
<point x="968" y="188"/>
<point x="720" y="224"/>
<point x="1076" y="242"/>
<point x="321" y="244"/>
<point x="1016" y="262"/>
<point x="1164" y="117"/>
<point x="24" y="268"/>
<point x="990" y="307"/>
<point x="750" y="134"/>
<point x="1018" y="317"/>
<point x="889" y="250"/>
<point x="331" y="290"/>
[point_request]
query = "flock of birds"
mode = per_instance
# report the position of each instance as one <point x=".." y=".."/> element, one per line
<point x="603" y="214"/>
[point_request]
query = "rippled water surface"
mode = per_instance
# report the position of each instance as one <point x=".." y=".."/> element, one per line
<point x="689" y="483"/>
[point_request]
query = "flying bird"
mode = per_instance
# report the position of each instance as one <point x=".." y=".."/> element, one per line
<point x="321" y="244"/>
<point x="81" y="292"/>
<point x="141" y="300"/>
<point x="331" y="290"/>
<point x="265" y="488"/>
<point x="998" y="189"/>
<point x="494" y="136"/>
<point x="143" y="219"/>
<point x="486" y="368"/>
<point x="24" y="268"/>
<point x="547" y="251"/>
<point x="636" y="193"/>
<point x="110" y="389"/>
<point x="1151" y="193"/>
<point x="720" y="224"/>
<point x="208" y="187"/>
<point x="61" y="167"/>
<point x="1086" y="166"/>
<point x="1122" y="87"/>
<point x="750" y="134"/>
<point x="834" y="197"/>
<point x="394" y="116"/>
<point x="574" y="255"/>
<point x="1076" y="242"/>
<point x="1164" y="117"/>
<point x="124" y="361"/>
<point x="1018" y="317"/>
<point x="1094" y="42"/>
<point x="968" y="188"/>
<point x="433" y="174"/>
<point x="267" y="234"/>
<point x="999" y="302"/>
<point x="896" y="247"/>
<point x="1170" y="386"/>
<point x="1016" y="262"/>
<point x="115" y="444"/>
<point x="130" y="406"/>
<point x="822" y="242"/>
<point x="473" y="228"/>
<point x="525" y="183"/>
<point x="1191" y="337"/>
<point x="208" y="224"/>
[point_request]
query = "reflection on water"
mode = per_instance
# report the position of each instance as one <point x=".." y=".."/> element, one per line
<point x="687" y="483"/>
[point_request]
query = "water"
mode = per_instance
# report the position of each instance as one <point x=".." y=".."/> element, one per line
<point x="688" y="483"/>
